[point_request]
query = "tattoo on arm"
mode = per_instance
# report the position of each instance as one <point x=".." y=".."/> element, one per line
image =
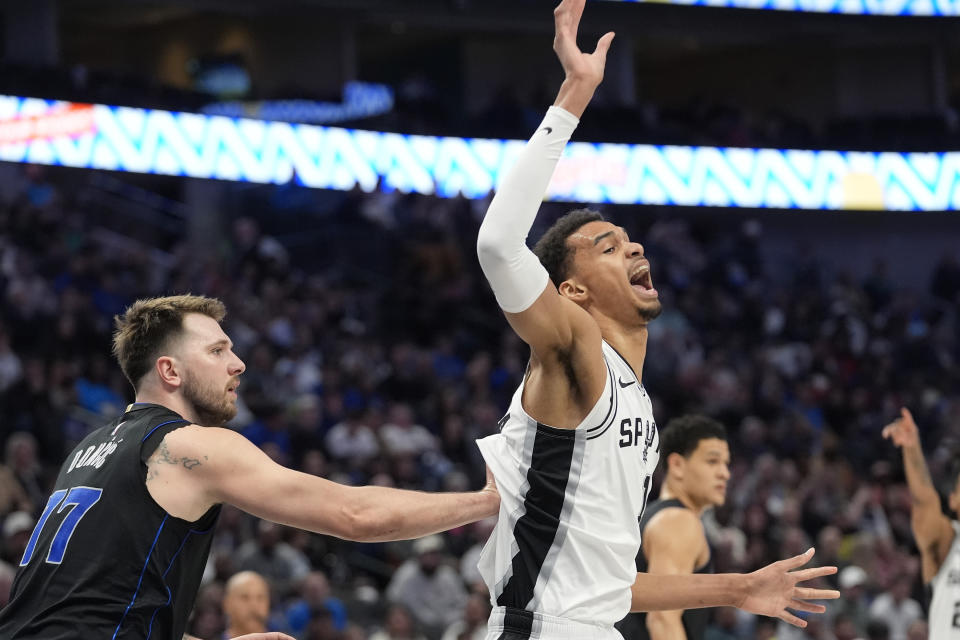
<point x="162" y="456"/>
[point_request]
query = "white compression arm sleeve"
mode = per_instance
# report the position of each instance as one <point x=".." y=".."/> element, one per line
<point x="514" y="272"/>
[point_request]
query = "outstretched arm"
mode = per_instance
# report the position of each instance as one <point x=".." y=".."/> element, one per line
<point x="519" y="281"/>
<point x="769" y="591"/>
<point x="549" y="323"/>
<point x="197" y="467"/>
<point x="931" y="527"/>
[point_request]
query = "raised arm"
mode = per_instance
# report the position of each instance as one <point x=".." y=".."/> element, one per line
<point x="533" y="307"/>
<point x="768" y="591"/>
<point x="196" y="467"/>
<point x="931" y="527"/>
<point x="671" y="541"/>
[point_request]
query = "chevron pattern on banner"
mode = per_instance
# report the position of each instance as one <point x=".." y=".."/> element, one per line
<point x="270" y="152"/>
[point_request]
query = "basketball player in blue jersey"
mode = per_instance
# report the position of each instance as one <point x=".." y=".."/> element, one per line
<point x="697" y="458"/>
<point x="119" y="550"/>
<point x="937" y="536"/>
<point x="577" y="448"/>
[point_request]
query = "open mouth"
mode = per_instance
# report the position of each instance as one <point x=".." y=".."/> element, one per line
<point x="641" y="281"/>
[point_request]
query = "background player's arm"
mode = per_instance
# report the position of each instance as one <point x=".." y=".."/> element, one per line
<point x="196" y="467"/>
<point x="768" y="591"/>
<point x="553" y="326"/>
<point x="931" y="527"/>
<point x="672" y="540"/>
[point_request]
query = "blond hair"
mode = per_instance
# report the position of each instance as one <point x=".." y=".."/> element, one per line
<point x="147" y="327"/>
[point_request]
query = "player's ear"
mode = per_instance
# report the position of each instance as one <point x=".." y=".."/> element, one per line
<point x="676" y="464"/>
<point x="168" y="368"/>
<point x="572" y="289"/>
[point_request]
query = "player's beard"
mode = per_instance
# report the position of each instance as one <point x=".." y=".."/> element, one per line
<point x="212" y="406"/>
<point x="650" y="311"/>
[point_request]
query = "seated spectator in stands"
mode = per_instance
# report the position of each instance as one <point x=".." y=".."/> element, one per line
<point x="430" y="589"/>
<point x="399" y="625"/>
<point x="278" y="562"/>
<point x="473" y="624"/>
<point x="246" y="604"/>
<point x="896" y="609"/>
<point x="12" y="495"/>
<point x="352" y="441"/>
<point x="21" y="458"/>
<point x="919" y="630"/>
<point x="853" y="603"/>
<point x="315" y="596"/>
<point x="402" y="436"/>
<point x="17" y="528"/>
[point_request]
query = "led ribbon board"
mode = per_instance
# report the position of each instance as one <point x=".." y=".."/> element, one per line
<point x="270" y="152"/>
<point x="858" y="7"/>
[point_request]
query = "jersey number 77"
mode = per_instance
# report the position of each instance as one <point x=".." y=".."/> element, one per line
<point x="81" y="498"/>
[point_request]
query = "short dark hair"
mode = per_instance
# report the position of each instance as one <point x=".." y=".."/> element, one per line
<point x="552" y="248"/>
<point x="683" y="434"/>
<point x="147" y="326"/>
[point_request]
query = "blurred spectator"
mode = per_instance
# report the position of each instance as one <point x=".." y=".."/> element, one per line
<point x="431" y="590"/>
<point x="279" y="563"/>
<point x="246" y="604"/>
<point x="351" y="441"/>
<point x="17" y="528"/>
<point x="7" y="573"/>
<point x="473" y="624"/>
<point x="402" y="436"/>
<point x="896" y="609"/>
<point x="853" y="604"/>
<point x="399" y="625"/>
<point x="315" y="596"/>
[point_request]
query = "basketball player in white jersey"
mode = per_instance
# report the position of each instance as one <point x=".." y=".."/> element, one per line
<point x="937" y="536"/>
<point x="575" y="453"/>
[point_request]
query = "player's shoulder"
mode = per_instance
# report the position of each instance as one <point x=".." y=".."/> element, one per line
<point x="205" y="443"/>
<point x="674" y="522"/>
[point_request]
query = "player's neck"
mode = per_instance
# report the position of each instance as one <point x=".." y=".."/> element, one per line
<point x="671" y="492"/>
<point x="174" y="402"/>
<point x="630" y="342"/>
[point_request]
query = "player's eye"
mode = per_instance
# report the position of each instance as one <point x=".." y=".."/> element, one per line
<point x="218" y="350"/>
<point x="609" y="250"/>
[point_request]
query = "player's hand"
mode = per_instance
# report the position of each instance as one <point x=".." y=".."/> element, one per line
<point x="773" y="589"/>
<point x="903" y="431"/>
<point x="273" y="635"/>
<point x="576" y="64"/>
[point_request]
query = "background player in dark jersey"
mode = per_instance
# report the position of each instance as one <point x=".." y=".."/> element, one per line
<point x="696" y="457"/>
<point x="120" y="547"/>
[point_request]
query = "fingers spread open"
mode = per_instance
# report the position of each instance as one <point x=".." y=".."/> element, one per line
<point x="801" y="593"/>
<point x="786" y="616"/>
<point x="798" y="561"/>
<point x="800" y="605"/>
<point x="814" y="572"/>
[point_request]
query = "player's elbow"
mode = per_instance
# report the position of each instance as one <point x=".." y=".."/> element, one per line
<point x="356" y="522"/>
<point x="490" y="247"/>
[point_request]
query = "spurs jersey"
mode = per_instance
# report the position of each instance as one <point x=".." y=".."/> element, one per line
<point x="945" y="604"/>
<point x="567" y="536"/>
